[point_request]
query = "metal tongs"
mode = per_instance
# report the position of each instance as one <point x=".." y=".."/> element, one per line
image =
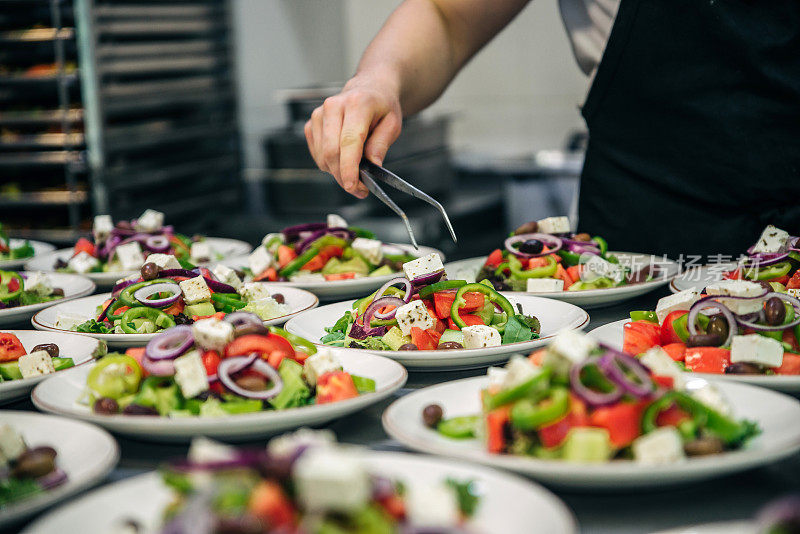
<point x="370" y="173"/>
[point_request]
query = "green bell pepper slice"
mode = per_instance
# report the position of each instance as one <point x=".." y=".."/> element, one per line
<point x="161" y="393"/>
<point x="529" y="415"/>
<point x="295" y="340"/>
<point x="644" y="315"/>
<point x="158" y="317"/>
<point x="114" y="376"/>
<point x="459" y="427"/>
<point x="227" y="302"/>
<point x="126" y="295"/>
<point x="539" y="272"/>
<point x="602" y="243"/>
<point x="570" y="258"/>
<point x="490" y="294"/>
<point x="525" y="389"/>
<point x="682" y="329"/>
<point x="6" y="277"/>
<point x="427" y="291"/>
<point x="767" y="273"/>
<point x="112" y="309"/>
<point x="297" y="263"/>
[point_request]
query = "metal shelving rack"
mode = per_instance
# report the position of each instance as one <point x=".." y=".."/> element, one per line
<point x="135" y="109"/>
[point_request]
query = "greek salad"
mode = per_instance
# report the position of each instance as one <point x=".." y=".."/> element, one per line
<point x="18" y="289"/>
<point x="17" y="363"/>
<point x="220" y="367"/>
<point x="545" y="257"/>
<point x="319" y="252"/>
<point x="578" y="401"/>
<point x="126" y="245"/>
<point x="305" y="483"/>
<point x="25" y="471"/>
<point x="10" y="252"/>
<point x="164" y="294"/>
<point x="429" y="312"/>
<point x="774" y="260"/>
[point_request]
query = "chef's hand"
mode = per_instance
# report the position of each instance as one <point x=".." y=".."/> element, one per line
<point x="364" y="119"/>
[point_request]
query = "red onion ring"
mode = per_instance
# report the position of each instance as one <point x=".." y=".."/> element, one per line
<point x="765" y="259"/>
<point x="615" y="364"/>
<point x="122" y="285"/>
<point x="170" y="344"/>
<point x="292" y="232"/>
<point x="377" y="304"/>
<point x="711" y="302"/>
<point x="142" y="293"/>
<point x="102" y="316"/>
<point x="240" y="366"/>
<point x="54" y="478"/>
<point x="218" y="287"/>
<point x="552" y="242"/>
<point x="426" y="279"/>
<point x="158" y="367"/>
<point x="359" y="331"/>
<point x="595" y="398"/>
<point x="157" y="243"/>
<point x="177" y="272"/>
<point x="240" y="318"/>
<point x="399" y="280"/>
<point x="306" y="242"/>
<point x="259" y="365"/>
<point x="766" y="328"/>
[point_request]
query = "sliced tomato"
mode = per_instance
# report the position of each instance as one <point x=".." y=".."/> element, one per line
<point x="554" y="434"/>
<point x="440" y="326"/>
<point x="218" y="315"/>
<point x="495" y="259"/>
<point x="790" y="365"/>
<point x="733" y="275"/>
<point x="535" y="263"/>
<point x="443" y="302"/>
<point x="496" y="421"/>
<point x="574" y="272"/>
<point x="335" y="386"/>
<point x="394" y="506"/>
<point x="422" y="339"/>
<point x="431" y="308"/>
<point x="794" y="281"/>
<point x="672" y="416"/>
<point x="789" y="337"/>
<point x="622" y="420"/>
<point x="315" y="264"/>
<point x="668" y="334"/>
<point x="269" y="503"/>
<point x="175" y="309"/>
<point x="332" y="251"/>
<point x="676" y="351"/>
<point x="84" y="245"/>
<point x="271" y="274"/>
<point x="638" y="336"/>
<point x="707" y="359"/>
<point x="10" y="347"/>
<point x="13" y="285"/>
<point x="285" y="255"/>
<point x="537" y="357"/>
<point x="339" y="276"/>
<point x="468" y="318"/>
<point x="436" y="336"/>
<point x="666" y="382"/>
<point x="264" y="345"/>
<point x="561" y="274"/>
<point x="473" y="301"/>
<point x="781" y="279"/>
<point x="211" y="361"/>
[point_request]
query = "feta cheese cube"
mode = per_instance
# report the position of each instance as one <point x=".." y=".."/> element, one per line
<point x="429" y="264"/>
<point x="190" y="374"/>
<point x="195" y="290"/>
<point x="371" y="249"/>
<point x="11" y="443"/>
<point x="305" y="438"/>
<point x="36" y="364"/>
<point x="518" y="371"/>
<point x="68" y="321"/>
<point x="336" y="221"/>
<point x="163" y="261"/>
<point x="573" y="345"/>
<point x="479" y="336"/>
<point x="710" y="395"/>
<point x="259" y="260"/>
<point x="433" y="506"/>
<point x="738" y="288"/>
<point x="272" y="241"/>
<point x="204" y="451"/>
<point x="544" y="285"/>
<point x="772" y="240"/>
<point x="102" y="227"/>
<point x="212" y="334"/>
<point x="758" y="349"/>
<point x="662" y="446"/>
<point x="226" y="275"/>
<point x="252" y="291"/>
<point x="200" y="252"/>
<point x="307" y="277"/>
<point x="682" y="300"/>
<point x="149" y="221"/>
<point x="595" y="267"/>
<point x="82" y="262"/>
<point x="130" y="256"/>
<point x="497" y="376"/>
<point x="320" y="363"/>
<point x="39" y="283"/>
<point x="331" y="480"/>
<point x="415" y="313"/>
<point x="659" y="363"/>
<point x="554" y="225"/>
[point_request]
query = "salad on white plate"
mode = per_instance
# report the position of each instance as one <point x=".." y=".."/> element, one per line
<point x="15" y="252"/>
<point x="23" y="293"/>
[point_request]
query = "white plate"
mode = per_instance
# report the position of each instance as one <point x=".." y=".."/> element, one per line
<point x="298" y="301"/>
<point x="777" y="415"/>
<point x="227" y="248"/>
<point x="79" y="347"/>
<point x="590" y="298"/>
<point x="553" y="315"/>
<point x="143" y="498"/>
<point x="74" y="286"/>
<point x="39" y="249"/>
<point x="723" y="527"/>
<point x="85" y="453"/>
<point x="61" y="393"/>
<point x="344" y="289"/>
<point x="699" y="277"/>
<point x="611" y="334"/>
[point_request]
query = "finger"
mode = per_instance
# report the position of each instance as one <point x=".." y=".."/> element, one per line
<point x="308" y="130"/>
<point x="332" y="115"/>
<point x="355" y="127"/>
<point x="361" y="190"/>
<point x="383" y="135"/>
<point x="316" y="135"/>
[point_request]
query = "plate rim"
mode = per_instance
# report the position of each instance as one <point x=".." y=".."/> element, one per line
<point x="42" y="305"/>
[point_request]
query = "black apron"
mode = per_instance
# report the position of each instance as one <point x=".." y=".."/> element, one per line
<point x="694" y="127"/>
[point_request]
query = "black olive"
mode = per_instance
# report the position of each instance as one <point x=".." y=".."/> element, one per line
<point x="279" y="298"/>
<point x="35" y="463"/>
<point x="703" y="340"/>
<point x="250" y="328"/>
<point x="50" y="348"/>
<point x="138" y="409"/>
<point x="743" y="368"/>
<point x="450" y="345"/>
<point x="60" y="264"/>
<point x="57" y="292"/>
<point x="432" y="415"/>
<point x="251" y="383"/>
<point x="105" y="406"/>
<point x="704" y="446"/>
<point x="150" y="271"/>
<point x="718" y="326"/>
<point x="182" y="319"/>
<point x="531" y="246"/>
<point x="408" y="346"/>
<point x="582" y="237"/>
<point x="774" y="311"/>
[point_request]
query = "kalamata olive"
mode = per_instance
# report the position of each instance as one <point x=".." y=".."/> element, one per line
<point x="239" y="273"/>
<point x="408" y="346"/>
<point x="35" y="463"/>
<point x="743" y="368"/>
<point x="531" y="246"/>
<point x="50" y="348"/>
<point x="60" y="264"/>
<point x="582" y="237"/>
<point x="703" y="446"/>
<point x="431" y="415"/>
<point x="248" y="328"/>
<point x="527" y="228"/>
<point x="718" y="326"/>
<point x="57" y="292"/>
<point x="774" y="311"/>
<point x="105" y="406"/>
<point x="251" y="383"/>
<point x="450" y="345"/>
<point x="138" y="409"/>
<point x="279" y="298"/>
<point x="240" y="524"/>
<point x="150" y="271"/>
<point x="182" y="319"/>
<point x="208" y="394"/>
<point x="703" y="340"/>
<point x="764" y="284"/>
<point x="124" y="225"/>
